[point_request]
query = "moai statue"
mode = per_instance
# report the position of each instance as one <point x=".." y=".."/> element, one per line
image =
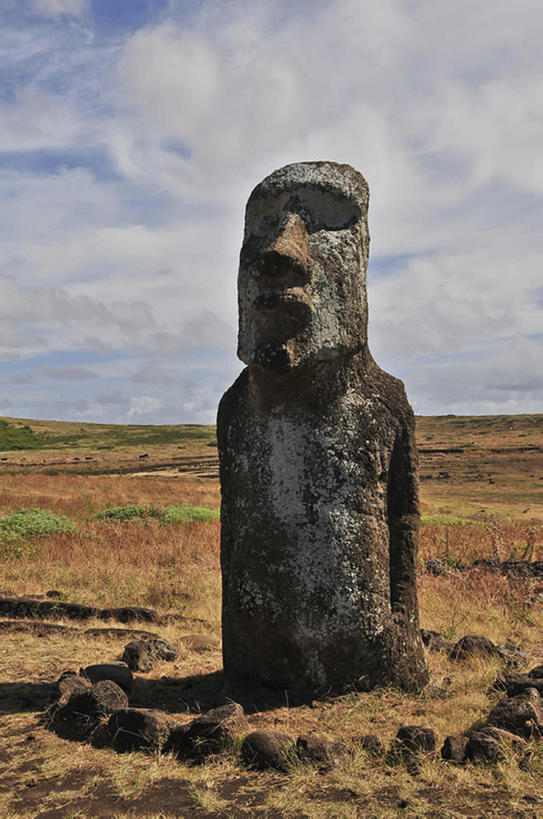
<point x="318" y="465"/>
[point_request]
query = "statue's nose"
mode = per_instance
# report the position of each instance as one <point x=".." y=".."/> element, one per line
<point x="287" y="257"/>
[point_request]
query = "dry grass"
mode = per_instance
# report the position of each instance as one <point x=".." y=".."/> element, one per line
<point x="144" y="562"/>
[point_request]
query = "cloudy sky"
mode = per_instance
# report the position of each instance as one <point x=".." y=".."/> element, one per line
<point x="132" y="131"/>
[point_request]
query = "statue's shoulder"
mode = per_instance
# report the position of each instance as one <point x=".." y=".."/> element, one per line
<point x="234" y="397"/>
<point x="391" y="391"/>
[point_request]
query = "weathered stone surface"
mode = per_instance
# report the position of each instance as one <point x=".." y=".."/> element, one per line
<point x="372" y="744"/>
<point x="317" y="455"/>
<point x="70" y="682"/>
<point x="138" y="729"/>
<point x="211" y="733"/>
<point x="521" y="715"/>
<point x="82" y="713"/>
<point x="139" y="655"/>
<point x="482" y="747"/>
<point x="268" y="749"/>
<point x="473" y="645"/>
<point x="515" y="684"/>
<point x="416" y="739"/>
<point x="117" y="672"/>
<point x="322" y="753"/>
<point x="454" y="748"/>
<point x="506" y="739"/>
<point x="143" y="655"/>
<point x="127" y="614"/>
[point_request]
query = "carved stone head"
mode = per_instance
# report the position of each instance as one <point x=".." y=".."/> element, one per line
<point x="302" y="274"/>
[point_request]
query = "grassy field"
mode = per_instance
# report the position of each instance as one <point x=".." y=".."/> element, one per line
<point x="128" y="517"/>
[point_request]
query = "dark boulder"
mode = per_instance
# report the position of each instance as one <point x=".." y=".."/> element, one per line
<point x="143" y="654"/>
<point x="70" y="682"/>
<point x="482" y="747"/>
<point x="416" y="739"/>
<point x="514" y="684"/>
<point x="269" y="749"/>
<point x="211" y="733"/>
<point x="83" y="712"/>
<point x="322" y="753"/>
<point x="140" y="655"/>
<point x="473" y="645"/>
<point x="490" y="744"/>
<point x="117" y="672"/>
<point x="138" y="729"/>
<point x="521" y="715"/>
<point x="454" y="748"/>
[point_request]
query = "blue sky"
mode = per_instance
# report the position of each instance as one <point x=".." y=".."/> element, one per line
<point x="131" y="134"/>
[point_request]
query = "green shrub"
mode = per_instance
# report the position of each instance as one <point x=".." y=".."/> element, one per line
<point x="177" y="513"/>
<point x="129" y="512"/>
<point x="19" y="529"/>
<point x="180" y="512"/>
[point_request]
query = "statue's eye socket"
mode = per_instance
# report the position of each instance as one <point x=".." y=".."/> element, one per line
<point x="319" y="210"/>
<point x="325" y="211"/>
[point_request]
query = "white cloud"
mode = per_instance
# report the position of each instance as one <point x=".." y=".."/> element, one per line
<point x="142" y="406"/>
<point x="58" y="8"/>
<point x="130" y="247"/>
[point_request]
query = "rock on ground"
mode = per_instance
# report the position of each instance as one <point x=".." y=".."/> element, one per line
<point x="268" y="749"/>
<point x="211" y="733"/>
<point x="521" y="715"/>
<point x="117" y="672"/>
<point x="138" y="729"/>
<point x="322" y="753"/>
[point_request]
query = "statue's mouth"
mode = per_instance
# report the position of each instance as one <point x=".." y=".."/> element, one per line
<point x="275" y="298"/>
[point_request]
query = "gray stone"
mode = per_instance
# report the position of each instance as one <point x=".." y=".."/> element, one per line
<point x="143" y="655"/>
<point x="521" y="715"/>
<point x="322" y="753"/>
<point x="318" y="463"/>
<point x="269" y="749"/>
<point x="117" y="672"/>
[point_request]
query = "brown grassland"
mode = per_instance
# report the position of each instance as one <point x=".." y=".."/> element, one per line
<point x="481" y="496"/>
